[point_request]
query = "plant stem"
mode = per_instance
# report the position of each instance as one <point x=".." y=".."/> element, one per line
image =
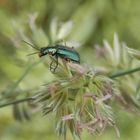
<point x="17" y="101"/>
<point x="123" y="73"/>
<point x="28" y="69"/>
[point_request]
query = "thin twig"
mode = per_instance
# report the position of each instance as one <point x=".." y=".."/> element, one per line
<point x="123" y="73"/>
<point x="28" y="69"/>
<point x="18" y="101"/>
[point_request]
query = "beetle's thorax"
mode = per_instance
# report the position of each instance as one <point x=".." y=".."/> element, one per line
<point x="47" y="50"/>
<point x="50" y="50"/>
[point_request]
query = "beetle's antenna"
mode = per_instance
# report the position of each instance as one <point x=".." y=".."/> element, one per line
<point x="32" y="53"/>
<point x="31" y="45"/>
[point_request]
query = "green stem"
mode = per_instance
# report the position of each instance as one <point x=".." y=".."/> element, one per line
<point x="123" y="73"/>
<point x="17" y="101"/>
<point x="12" y="89"/>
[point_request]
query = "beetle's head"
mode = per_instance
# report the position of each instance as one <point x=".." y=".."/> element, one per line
<point x="43" y="51"/>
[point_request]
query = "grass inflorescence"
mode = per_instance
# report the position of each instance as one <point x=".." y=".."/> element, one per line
<point x="79" y="99"/>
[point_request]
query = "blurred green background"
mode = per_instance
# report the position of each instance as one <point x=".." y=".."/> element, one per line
<point x="93" y="21"/>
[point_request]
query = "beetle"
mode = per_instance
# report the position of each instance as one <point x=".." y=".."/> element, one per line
<point x="58" y="51"/>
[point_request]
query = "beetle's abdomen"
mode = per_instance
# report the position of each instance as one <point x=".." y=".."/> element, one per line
<point x="68" y="54"/>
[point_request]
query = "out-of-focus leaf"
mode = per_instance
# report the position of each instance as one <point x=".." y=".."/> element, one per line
<point x="135" y="53"/>
<point x="116" y="49"/>
<point x="64" y="30"/>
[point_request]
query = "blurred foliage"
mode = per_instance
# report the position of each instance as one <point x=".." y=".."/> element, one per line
<point x="87" y="22"/>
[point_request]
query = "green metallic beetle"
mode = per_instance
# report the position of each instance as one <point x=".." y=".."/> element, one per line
<point x="58" y="51"/>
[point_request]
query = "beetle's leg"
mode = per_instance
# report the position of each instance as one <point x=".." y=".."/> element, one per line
<point x="67" y="59"/>
<point x="61" y="41"/>
<point x="54" y="64"/>
<point x="65" y="43"/>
